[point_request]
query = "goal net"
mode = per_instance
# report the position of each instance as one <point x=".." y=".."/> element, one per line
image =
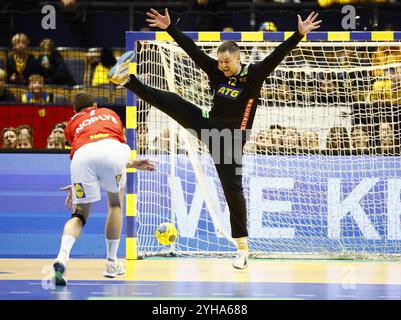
<point x="321" y="171"/>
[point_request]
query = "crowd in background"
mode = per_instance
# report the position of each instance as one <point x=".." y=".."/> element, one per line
<point x="46" y="77"/>
<point x="361" y="139"/>
<point x="22" y="137"/>
<point x="42" y="74"/>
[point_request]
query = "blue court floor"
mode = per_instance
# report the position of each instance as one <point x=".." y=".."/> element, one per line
<point x="164" y="279"/>
<point x="83" y="290"/>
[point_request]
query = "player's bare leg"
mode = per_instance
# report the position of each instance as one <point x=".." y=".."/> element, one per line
<point x="72" y="231"/>
<point x="74" y="226"/>
<point x="114" y="225"/>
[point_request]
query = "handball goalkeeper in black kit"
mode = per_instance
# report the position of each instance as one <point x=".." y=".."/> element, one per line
<point x="236" y="92"/>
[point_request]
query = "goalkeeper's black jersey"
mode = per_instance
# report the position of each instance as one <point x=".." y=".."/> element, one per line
<point x="235" y="98"/>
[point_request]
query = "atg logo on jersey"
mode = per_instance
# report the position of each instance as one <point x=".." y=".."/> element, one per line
<point x="79" y="191"/>
<point x="229" y="92"/>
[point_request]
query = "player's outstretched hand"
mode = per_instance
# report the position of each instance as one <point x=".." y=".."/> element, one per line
<point x="309" y="24"/>
<point x="142" y="164"/>
<point x="68" y="199"/>
<point x="158" y="20"/>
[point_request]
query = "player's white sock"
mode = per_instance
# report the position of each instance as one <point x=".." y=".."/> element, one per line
<point x="242" y="243"/>
<point x="67" y="243"/>
<point x="112" y="248"/>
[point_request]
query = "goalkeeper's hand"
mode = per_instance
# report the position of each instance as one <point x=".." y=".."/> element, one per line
<point x="158" y="20"/>
<point x="309" y="24"/>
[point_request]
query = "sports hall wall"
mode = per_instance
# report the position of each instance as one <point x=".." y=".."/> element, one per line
<point x="357" y="208"/>
<point x="32" y="214"/>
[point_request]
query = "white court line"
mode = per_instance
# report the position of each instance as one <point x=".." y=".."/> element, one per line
<point x="20" y="292"/>
<point x="103" y="284"/>
<point x="140" y="293"/>
<point x="100" y="292"/>
<point x="182" y="294"/>
<point x="264" y="294"/>
<point x="304" y="295"/>
<point x="390" y="297"/>
<point x="222" y="294"/>
<point x="345" y="296"/>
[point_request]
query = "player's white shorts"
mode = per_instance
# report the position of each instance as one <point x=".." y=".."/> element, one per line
<point x="98" y="164"/>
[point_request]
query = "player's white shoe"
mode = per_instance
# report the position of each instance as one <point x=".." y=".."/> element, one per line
<point x="119" y="74"/>
<point x="114" y="269"/>
<point x="59" y="269"/>
<point x="241" y="260"/>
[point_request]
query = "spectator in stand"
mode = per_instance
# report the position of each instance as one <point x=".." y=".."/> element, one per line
<point x="142" y="138"/>
<point x="21" y="64"/>
<point x="387" y="90"/>
<point x="5" y="94"/>
<point x="58" y="131"/>
<point x="53" y="67"/>
<point x="360" y="139"/>
<point x="228" y="29"/>
<point x="68" y="3"/>
<point x="101" y="68"/>
<point x="162" y="143"/>
<point x="264" y="142"/>
<point x="337" y="142"/>
<point x="24" y="144"/>
<point x="387" y="139"/>
<point x="310" y="140"/>
<point x="25" y="137"/>
<point x="329" y="91"/>
<point x="37" y="93"/>
<point x="277" y="132"/>
<point x="75" y="14"/>
<point x="55" y="142"/>
<point x="9" y="137"/>
<point x="291" y="140"/>
<point x="383" y="56"/>
<point x="283" y="95"/>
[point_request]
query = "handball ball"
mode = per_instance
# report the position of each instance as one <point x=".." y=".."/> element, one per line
<point x="166" y="233"/>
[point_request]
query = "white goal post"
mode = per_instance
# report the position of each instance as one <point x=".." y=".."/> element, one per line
<point x="321" y="171"/>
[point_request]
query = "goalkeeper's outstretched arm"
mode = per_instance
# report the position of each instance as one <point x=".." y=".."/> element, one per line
<point x="266" y="66"/>
<point x="202" y="60"/>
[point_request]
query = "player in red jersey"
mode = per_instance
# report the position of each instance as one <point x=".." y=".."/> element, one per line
<point x="99" y="157"/>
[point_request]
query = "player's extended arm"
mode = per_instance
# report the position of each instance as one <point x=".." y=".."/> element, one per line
<point x="142" y="164"/>
<point x="201" y="59"/>
<point x="266" y="66"/>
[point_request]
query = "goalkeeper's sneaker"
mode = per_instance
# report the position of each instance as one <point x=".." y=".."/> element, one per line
<point x="241" y="260"/>
<point x="119" y="74"/>
<point x="59" y="274"/>
<point x="114" y="269"/>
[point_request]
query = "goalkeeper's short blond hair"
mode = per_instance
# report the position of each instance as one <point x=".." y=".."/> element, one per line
<point x="230" y="46"/>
